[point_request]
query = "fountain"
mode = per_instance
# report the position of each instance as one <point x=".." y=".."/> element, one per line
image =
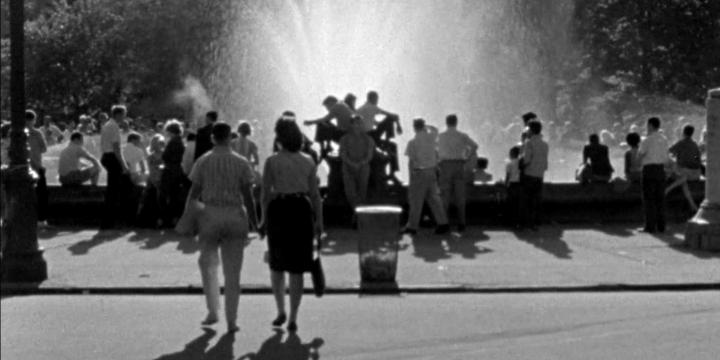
<point x="486" y="60"/>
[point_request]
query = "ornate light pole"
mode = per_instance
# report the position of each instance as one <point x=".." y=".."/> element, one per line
<point x="22" y="257"/>
<point x="703" y="231"/>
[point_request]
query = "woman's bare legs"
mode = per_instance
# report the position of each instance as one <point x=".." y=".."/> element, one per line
<point x="296" y="291"/>
<point x="277" y="278"/>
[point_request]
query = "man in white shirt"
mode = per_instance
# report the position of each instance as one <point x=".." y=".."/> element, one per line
<point x="134" y="156"/>
<point x="113" y="162"/>
<point x="70" y="170"/>
<point x="422" y="154"/>
<point x="653" y="154"/>
<point x="454" y="148"/>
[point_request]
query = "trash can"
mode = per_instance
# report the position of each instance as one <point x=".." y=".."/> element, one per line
<point x="379" y="228"/>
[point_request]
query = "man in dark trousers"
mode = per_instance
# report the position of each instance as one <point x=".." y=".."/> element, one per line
<point x="653" y="154"/>
<point x="203" y="141"/>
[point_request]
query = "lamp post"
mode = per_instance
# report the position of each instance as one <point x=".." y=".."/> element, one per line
<point x="703" y="230"/>
<point x="22" y="257"/>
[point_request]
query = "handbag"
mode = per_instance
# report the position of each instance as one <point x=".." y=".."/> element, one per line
<point x="318" y="275"/>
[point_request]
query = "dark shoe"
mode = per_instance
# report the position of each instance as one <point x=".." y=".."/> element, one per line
<point x="292" y="327"/>
<point x="647" y="231"/>
<point x="279" y="320"/>
<point x="461" y="228"/>
<point x="442" y="229"/>
<point x="408" y="231"/>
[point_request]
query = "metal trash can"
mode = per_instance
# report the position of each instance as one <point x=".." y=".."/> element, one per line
<point x="379" y="228"/>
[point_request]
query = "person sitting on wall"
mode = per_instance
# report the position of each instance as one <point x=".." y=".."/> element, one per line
<point x="328" y="132"/>
<point x="480" y="174"/>
<point x="596" y="156"/>
<point x="71" y="171"/>
<point x="688" y="163"/>
<point x="382" y="133"/>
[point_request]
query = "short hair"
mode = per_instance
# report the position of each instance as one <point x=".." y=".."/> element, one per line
<point x="481" y="163"/>
<point x="174" y="127"/>
<point x="654" y="122"/>
<point x="330" y="101"/>
<point x="451" y="120"/>
<point x="535" y="127"/>
<point x="633" y="139"/>
<point x="688" y="130"/>
<point x="190" y="136"/>
<point x="526" y="117"/>
<point x="594" y="139"/>
<point x="116" y="110"/>
<point x="418" y="123"/>
<point x="212" y="115"/>
<point x="221" y="132"/>
<point x="76" y="135"/>
<point x="372" y="96"/>
<point x="289" y="135"/>
<point x="350" y="98"/>
<point x="133" y="136"/>
<point x="103" y="114"/>
<point x="244" y="128"/>
<point x="30" y="115"/>
<point x="515" y="152"/>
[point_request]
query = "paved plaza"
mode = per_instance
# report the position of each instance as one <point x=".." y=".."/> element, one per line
<point x="556" y="256"/>
<point x="677" y="325"/>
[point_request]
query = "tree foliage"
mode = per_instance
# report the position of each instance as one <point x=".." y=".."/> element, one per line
<point x="634" y="51"/>
<point x="86" y="54"/>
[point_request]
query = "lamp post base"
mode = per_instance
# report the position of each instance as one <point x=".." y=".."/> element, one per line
<point x="22" y="257"/>
<point x="29" y="267"/>
<point x="703" y="230"/>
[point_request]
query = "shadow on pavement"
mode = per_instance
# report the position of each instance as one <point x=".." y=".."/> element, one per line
<point x="292" y="348"/>
<point x="196" y="349"/>
<point x="466" y="244"/>
<point x="83" y="247"/>
<point x="152" y="239"/>
<point x="548" y="239"/>
<point x="433" y="248"/>
<point x="676" y="241"/>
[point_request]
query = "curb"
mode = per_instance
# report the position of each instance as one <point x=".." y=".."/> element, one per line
<point x="33" y="289"/>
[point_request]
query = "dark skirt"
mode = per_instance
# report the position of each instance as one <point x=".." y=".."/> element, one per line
<point x="290" y="234"/>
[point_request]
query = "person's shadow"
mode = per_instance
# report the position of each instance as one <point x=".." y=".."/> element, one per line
<point x="84" y="246"/>
<point x="549" y="239"/>
<point x="293" y="348"/>
<point x="195" y="349"/>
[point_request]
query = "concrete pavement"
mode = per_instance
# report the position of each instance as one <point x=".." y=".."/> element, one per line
<point x="555" y="257"/>
<point x="676" y="325"/>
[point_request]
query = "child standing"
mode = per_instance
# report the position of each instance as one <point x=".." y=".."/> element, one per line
<point x="149" y="215"/>
<point x="633" y="166"/>
<point x="514" y="189"/>
<point x="134" y="155"/>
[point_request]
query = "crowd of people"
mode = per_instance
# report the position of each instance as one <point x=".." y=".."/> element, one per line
<point x="166" y="179"/>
